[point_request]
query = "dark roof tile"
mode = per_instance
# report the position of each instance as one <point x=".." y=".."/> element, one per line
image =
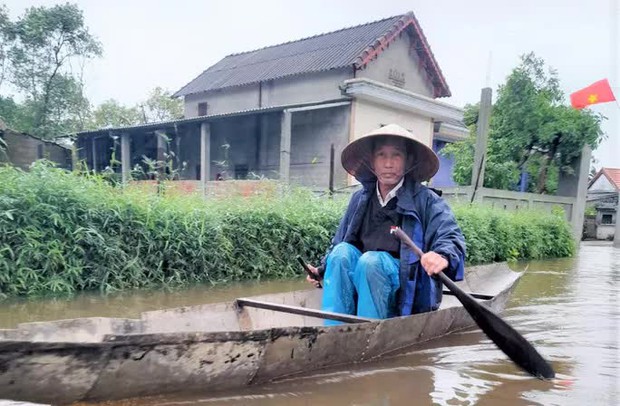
<point x="335" y="50"/>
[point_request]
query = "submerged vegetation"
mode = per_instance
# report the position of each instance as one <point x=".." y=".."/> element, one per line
<point x="62" y="232"/>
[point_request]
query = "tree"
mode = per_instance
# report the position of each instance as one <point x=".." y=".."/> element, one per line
<point x="160" y="106"/>
<point x="49" y="42"/>
<point x="10" y="111"/>
<point x="112" y="114"/>
<point x="530" y="131"/>
<point x="6" y="40"/>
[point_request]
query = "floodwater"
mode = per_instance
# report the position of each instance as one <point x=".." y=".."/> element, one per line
<point x="568" y="308"/>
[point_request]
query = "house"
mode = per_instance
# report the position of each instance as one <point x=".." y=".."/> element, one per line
<point x="275" y="112"/>
<point x="603" y="192"/>
<point x="21" y="150"/>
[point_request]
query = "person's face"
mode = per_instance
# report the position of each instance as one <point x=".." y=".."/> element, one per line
<point x="388" y="163"/>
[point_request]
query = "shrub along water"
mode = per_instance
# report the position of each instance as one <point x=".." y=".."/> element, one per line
<point x="62" y="232"/>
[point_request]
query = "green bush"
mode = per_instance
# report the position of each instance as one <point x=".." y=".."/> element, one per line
<point x="62" y="232"/>
<point x="499" y="235"/>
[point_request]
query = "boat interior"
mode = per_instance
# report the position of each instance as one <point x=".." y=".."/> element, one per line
<point x="288" y="309"/>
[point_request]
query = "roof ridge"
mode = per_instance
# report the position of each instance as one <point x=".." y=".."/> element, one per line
<point x="318" y="35"/>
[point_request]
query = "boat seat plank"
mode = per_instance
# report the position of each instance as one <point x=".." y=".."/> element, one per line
<point x="303" y="311"/>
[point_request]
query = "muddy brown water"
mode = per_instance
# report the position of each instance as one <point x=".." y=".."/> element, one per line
<point x="568" y="308"/>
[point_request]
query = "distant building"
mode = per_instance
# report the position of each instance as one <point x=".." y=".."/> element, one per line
<point x="603" y="196"/>
<point x="23" y="149"/>
<point x="275" y="111"/>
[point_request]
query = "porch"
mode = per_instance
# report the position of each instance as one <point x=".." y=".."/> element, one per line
<point x="290" y="144"/>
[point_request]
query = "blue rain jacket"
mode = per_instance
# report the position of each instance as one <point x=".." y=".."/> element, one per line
<point x="430" y="223"/>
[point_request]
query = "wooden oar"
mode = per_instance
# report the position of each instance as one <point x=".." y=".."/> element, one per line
<point x="513" y="344"/>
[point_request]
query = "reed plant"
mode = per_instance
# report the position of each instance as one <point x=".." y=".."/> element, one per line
<point x="62" y="232"/>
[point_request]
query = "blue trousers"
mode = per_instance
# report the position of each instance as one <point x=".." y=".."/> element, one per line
<point x="362" y="284"/>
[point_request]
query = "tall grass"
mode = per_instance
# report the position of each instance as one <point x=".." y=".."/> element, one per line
<point x="62" y="232"/>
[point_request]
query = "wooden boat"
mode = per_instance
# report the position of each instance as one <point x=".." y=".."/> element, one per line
<point x="218" y="346"/>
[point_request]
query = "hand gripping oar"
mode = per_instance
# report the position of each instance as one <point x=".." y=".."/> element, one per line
<point x="507" y="339"/>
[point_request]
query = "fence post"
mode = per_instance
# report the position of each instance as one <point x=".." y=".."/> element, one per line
<point x="617" y="232"/>
<point x="331" y="170"/>
<point x="477" y="176"/>
<point x="575" y="185"/>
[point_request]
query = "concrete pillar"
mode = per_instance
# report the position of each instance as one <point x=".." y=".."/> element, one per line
<point x="576" y="185"/>
<point x="125" y="157"/>
<point x="205" y="154"/>
<point x="264" y="139"/>
<point x="75" y="158"/>
<point x="285" y="146"/>
<point x="94" y="154"/>
<point x="617" y="233"/>
<point x="178" y="159"/>
<point x="161" y="145"/>
<point x="477" y="175"/>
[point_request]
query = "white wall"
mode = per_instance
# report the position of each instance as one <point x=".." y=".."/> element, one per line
<point x="368" y="116"/>
<point x="223" y="101"/>
<point x="602" y="183"/>
<point x="402" y="63"/>
<point x="312" y="133"/>
<point x="604" y="232"/>
<point x="319" y="86"/>
<point x="316" y="87"/>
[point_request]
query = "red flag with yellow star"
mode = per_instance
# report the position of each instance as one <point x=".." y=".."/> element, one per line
<point x="598" y="92"/>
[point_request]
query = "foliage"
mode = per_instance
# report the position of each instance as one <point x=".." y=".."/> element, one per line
<point x="113" y="114"/>
<point x="590" y="211"/>
<point x="500" y="235"/>
<point x="530" y="130"/>
<point x="160" y="106"/>
<point x="48" y="44"/>
<point x="10" y="111"/>
<point x="42" y="57"/>
<point x="6" y="38"/>
<point x="62" y="232"/>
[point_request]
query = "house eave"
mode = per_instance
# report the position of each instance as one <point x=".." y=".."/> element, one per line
<point x="163" y="125"/>
<point x="451" y="133"/>
<point x="377" y="92"/>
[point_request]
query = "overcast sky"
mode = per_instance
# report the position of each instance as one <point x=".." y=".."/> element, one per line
<point x="150" y="43"/>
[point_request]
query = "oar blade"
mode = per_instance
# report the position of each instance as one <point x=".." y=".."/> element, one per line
<point x="507" y="339"/>
<point x="513" y="344"/>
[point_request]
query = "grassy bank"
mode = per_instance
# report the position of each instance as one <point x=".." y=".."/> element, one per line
<point x="61" y="232"/>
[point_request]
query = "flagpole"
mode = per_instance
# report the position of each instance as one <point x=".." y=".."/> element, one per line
<point x="614" y="43"/>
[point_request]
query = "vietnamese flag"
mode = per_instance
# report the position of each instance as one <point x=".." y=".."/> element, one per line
<point x="598" y="92"/>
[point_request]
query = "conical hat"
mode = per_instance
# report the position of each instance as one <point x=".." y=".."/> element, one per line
<point x="357" y="156"/>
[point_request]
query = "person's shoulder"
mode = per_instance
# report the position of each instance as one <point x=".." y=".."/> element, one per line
<point x="361" y="191"/>
<point x="427" y="192"/>
<point x="429" y="197"/>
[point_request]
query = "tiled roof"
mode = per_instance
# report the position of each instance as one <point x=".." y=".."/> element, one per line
<point x="348" y="47"/>
<point x="612" y="174"/>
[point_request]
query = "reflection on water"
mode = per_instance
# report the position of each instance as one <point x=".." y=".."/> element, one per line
<point x="569" y="309"/>
<point x="131" y="304"/>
